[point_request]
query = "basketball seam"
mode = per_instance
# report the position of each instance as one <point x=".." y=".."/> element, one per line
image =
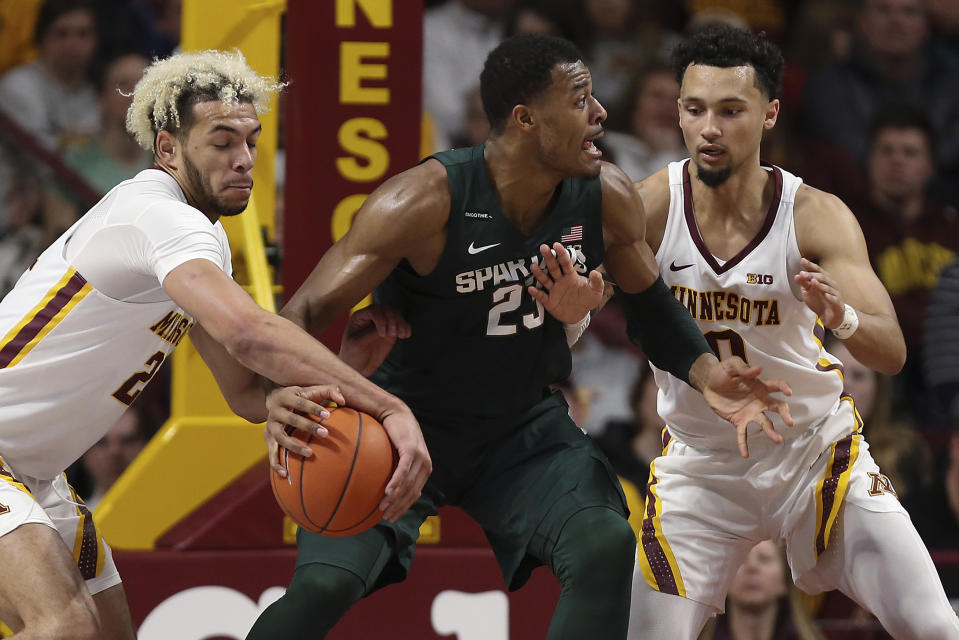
<point x="361" y="521"/>
<point x="349" y="475"/>
<point x="306" y="513"/>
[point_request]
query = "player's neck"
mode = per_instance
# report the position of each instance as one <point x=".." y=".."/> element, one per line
<point x="188" y="193"/>
<point x="523" y="189"/>
<point x="744" y="195"/>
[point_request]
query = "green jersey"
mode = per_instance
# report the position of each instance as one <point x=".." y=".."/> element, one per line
<point x="481" y="346"/>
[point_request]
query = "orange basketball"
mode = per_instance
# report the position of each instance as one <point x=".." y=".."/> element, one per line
<point x="337" y="491"/>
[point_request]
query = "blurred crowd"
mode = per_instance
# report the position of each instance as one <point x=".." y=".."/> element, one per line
<point x="870" y="112"/>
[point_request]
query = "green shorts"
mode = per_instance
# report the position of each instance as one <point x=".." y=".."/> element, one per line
<point x="521" y="486"/>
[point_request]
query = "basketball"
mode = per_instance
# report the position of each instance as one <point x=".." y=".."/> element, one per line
<point x="337" y="491"/>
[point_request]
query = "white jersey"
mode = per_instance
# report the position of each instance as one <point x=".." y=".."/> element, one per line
<point x="747" y="306"/>
<point x="87" y="327"/>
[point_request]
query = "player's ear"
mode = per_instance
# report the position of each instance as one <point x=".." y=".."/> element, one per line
<point x="166" y="149"/>
<point x="522" y="116"/>
<point x="772" y="114"/>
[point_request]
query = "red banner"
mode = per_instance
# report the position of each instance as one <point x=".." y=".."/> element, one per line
<point x="217" y="595"/>
<point x="352" y="117"/>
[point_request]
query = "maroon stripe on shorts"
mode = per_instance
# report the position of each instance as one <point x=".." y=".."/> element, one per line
<point x="831" y="367"/>
<point x="658" y="561"/>
<point x="820" y="332"/>
<point x="87" y="559"/>
<point x="840" y="463"/>
<point x="39" y="321"/>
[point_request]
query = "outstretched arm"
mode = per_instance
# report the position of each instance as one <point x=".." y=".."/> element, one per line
<point x="836" y="273"/>
<point x="277" y="349"/>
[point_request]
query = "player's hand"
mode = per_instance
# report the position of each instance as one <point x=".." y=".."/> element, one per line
<point x="820" y="294"/>
<point x="289" y="408"/>
<point x="369" y="336"/>
<point x="736" y="393"/>
<point x="567" y="295"/>
<point x="413" y="467"/>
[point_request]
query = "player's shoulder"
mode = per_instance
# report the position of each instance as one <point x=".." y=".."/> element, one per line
<point x="654" y="192"/>
<point x="423" y="187"/>
<point x="416" y="201"/>
<point x="814" y="205"/>
<point x="616" y="185"/>
<point x="822" y="221"/>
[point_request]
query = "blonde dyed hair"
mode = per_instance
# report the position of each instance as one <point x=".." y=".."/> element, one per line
<point x="180" y="81"/>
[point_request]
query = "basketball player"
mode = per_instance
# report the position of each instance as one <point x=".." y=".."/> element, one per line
<point x="94" y="318"/>
<point x="451" y="244"/>
<point x="766" y="265"/>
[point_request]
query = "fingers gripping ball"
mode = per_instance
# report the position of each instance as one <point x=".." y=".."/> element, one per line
<point x="337" y="491"/>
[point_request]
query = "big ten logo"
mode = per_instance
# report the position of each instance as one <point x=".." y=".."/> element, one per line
<point x="364" y="68"/>
<point x="759" y="278"/>
<point x="200" y="613"/>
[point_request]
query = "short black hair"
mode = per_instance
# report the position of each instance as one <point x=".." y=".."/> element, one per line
<point x="902" y="116"/>
<point x="724" y="46"/>
<point x="518" y="70"/>
<point x="51" y="10"/>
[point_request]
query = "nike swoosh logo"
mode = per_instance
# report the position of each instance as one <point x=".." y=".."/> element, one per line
<point x="674" y="267"/>
<point x="474" y="250"/>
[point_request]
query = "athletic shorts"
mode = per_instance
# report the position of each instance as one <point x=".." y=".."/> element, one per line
<point x="706" y="508"/>
<point x="25" y="500"/>
<point x="521" y="488"/>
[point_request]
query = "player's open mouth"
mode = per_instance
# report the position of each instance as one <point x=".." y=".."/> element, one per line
<point x="711" y="152"/>
<point x="591" y="150"/>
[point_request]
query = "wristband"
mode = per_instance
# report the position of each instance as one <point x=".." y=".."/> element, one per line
<point x="849" y="324"/>
<point x="575" y="331"/>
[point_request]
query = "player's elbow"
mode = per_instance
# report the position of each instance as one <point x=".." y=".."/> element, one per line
<point x="250" y="410"/>
<point x="891" y="359"/>
<point x="896" y="361"/>
<point x="246" y="336"/>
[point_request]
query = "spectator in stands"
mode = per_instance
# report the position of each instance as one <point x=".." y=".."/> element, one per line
<point x="110" y="157"/>
<point x="22" y="239"/>
<point x="611" y="44"/>
<point x="897" y="447"/>
<point x="762" y="603"/>
<point x="643" y="133"/>
<point x="936" y="513"/>
<point x="475" y="127"/>
<point x="456" y="38"/>
<point x="632" y="444"/>
<point x="910" y="236"/>
<point x="17" y="23"/>
<point x="608" y="371"/>
<point x="941" y="344"/>
<point x="891" y="62"/>
<point x="149" y="27"/>
<point x="944" y="18"/>
<point x="52" y="97"/>
<point x="112" y="454"/>
<point x="938" y="518"/>
<point x="113" y="155"/>
<point x="546" y="17"/>
<point x="49" y="99"/>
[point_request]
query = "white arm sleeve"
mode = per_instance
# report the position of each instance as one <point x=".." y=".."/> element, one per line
<point x="575" y="331"/>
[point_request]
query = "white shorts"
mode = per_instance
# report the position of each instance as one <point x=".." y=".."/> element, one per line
<point x="706" y="508"/>
<point x="25" y="500"/>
